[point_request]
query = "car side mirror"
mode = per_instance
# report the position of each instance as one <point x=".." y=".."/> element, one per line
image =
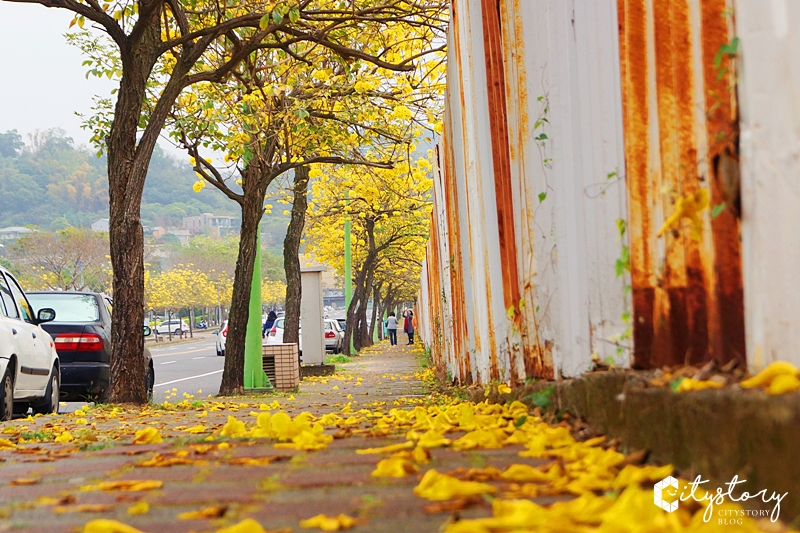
<point x="147" y="331"/>
<point x="45" y="315"/>
<point x="216" y="333"/>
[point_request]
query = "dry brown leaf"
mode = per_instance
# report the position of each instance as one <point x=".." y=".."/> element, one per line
<point x="256" y="461"/>
<point x="216" y="511"/>
<point x="24" y="481"/>
<point x="453" y="506"/>
<point x="84" y="508"/>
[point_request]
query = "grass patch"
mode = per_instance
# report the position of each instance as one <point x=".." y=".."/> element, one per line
<point x="338" y="359"/>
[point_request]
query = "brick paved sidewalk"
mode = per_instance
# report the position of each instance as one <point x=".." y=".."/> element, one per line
<point x="300" y="485"/>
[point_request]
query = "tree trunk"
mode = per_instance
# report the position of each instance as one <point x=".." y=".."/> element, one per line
<point x="128" y="159"/>
<point x="252" y="206"/>
<point x="291" y="260"/>
<point x="376" y="292"/>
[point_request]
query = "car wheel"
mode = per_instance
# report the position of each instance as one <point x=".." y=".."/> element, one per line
<point x="7" y="396"/>
<point x="150" y="382"/>
<point x="221" y="353"/>
<point x="49" y="404"/>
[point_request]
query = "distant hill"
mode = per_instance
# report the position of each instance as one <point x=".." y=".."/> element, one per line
<point x="47" y="182"/>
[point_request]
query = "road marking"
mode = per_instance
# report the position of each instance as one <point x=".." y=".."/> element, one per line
<point x="186" y="379"/>
<point x="169" y="362"/>
<point x="182" y="353"/>
<point x="201" y="357"/>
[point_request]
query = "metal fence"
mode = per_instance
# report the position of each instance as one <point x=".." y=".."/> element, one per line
<point x="587" y="188"/>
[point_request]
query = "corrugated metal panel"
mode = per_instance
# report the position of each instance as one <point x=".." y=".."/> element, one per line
<point x="769" y="88"/>
<point x="570" y="127"/>
<point x="679" y="118"/>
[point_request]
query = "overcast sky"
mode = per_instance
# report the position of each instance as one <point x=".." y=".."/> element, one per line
<point x="42" y="82"/>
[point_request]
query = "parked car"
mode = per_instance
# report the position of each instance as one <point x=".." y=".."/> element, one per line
<point x="334" y="336"/>
<point x="82" y="335"/>
<point x="275" y="335"/>
<point x="222" y="335"/>
<point x="174" y="325"/>
<point x="342" y="323"/>
<point x="29" y="364"/>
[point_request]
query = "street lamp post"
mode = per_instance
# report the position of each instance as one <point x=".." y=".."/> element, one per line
<point x="348" y="269"/>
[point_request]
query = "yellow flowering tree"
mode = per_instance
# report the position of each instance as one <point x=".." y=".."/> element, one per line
<point x="287" y="107"/>
<point x="389" y="210"/>
<point x="180" y="288"/>
<point x="155" y="49"/>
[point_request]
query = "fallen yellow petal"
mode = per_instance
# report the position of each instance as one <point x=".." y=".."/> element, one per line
<point x="140" y="507"/>
<point x="772" y="371"/>
<point x="689" y="384"/>
<point x="148" y="435"/>
<point x="248" y="525"/>
<point x="329" y="523"/>
<point x="394" y="467"/>
<point x="783" y="384"/>
<point x="392" y="448"/>
<point x="215" y="511"/>
<point x="132" y="485"/>
<point x="66" y="436"/>
<point x="436" y="487"/>
<point x="108" y="526"/>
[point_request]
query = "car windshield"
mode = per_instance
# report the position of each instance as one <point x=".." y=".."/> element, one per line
<point x="69" y="307"/>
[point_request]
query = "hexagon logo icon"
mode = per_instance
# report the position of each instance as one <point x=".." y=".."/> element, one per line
<point x="658" y="494"/>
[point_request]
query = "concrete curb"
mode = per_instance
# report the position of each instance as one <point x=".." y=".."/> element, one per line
<point x="715" y="433"/>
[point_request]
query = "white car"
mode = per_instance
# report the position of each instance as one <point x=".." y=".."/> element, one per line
<point x="334" y="335"/>
<point x="222" y="335"/>
<point x="175" y="326"/>
<point x="29" y="363"/>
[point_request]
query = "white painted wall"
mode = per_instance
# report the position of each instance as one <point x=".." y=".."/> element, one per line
<point x="769" y="93"/>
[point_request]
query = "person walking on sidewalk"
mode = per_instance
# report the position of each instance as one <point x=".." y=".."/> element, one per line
<point x="271" y="318"/>
<point x="408" y="325"/>
<point x="391" y="327"/>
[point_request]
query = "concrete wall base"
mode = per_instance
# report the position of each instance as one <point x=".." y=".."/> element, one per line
<point x="317" y="370"/>
<point x="714" y="433"/>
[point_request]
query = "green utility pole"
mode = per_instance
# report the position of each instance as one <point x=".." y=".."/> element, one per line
<point x="348" y="271"/>
<point x="254" y="376"/>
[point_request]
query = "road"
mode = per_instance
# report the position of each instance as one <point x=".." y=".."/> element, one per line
<point x="187" y="367"/>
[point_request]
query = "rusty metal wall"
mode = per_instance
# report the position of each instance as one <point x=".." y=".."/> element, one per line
<point x="681" y="138"/>
<point x="572" y="126"/>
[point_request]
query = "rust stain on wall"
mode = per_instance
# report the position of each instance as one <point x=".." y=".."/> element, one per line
<point x="635" y="71"/>
<point x="457" y="295"/>
<point x="498" y="117"/>
<point x="728" y="340"/>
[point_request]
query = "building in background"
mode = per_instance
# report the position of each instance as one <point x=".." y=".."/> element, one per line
<point x="100" y="225"/>
<point x="212" y="225"/>
<point x="12" y="233"/>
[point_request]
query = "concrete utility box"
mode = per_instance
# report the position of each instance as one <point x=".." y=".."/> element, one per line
<point x="311" y="320"/>
<point x="281" y="363"/>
